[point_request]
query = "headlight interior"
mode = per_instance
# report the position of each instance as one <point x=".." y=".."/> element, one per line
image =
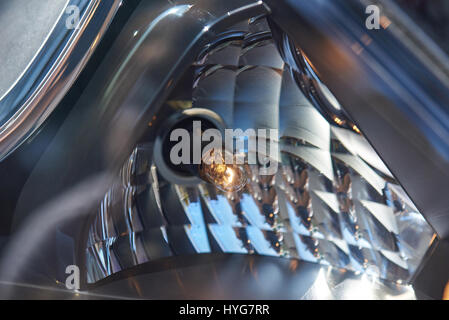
<point x="332" y="201"/>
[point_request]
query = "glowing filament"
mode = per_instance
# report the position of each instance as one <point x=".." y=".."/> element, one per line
<point x="226" y="177"/>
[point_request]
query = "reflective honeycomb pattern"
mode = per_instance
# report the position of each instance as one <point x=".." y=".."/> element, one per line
<point x="332" y="201"/>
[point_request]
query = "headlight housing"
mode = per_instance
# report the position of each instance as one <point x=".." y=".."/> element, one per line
<point x="332" y="201"/>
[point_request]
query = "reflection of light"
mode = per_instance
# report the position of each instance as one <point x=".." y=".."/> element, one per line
<point x="407" y="294"/>
<point x="357" y="48"/>
<point x="320" y="289"/>
<point x="361" y="289"/>
<point x="354" y="127"/>
<point x="179" y="10"/>
<point x="384" y="22"/>
<point x="329" y="96"/>
<point x="310" y="64"/>
<point x="229" y="175"/>
<point x="446" y="292"/>
<point x="338" y="121"/>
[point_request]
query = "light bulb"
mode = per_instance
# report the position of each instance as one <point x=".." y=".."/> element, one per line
<point x="226" y="177"/>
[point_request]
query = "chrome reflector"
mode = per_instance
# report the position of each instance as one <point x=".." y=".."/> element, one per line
<point x="332" y="201"/>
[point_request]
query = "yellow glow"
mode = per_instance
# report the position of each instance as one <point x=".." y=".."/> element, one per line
<point x="229" y="177"/>
<point x="226" y="177"/>
<point x="354" y="127"/>
<point x="446" y="292"/>
<point x="338" y="121"/>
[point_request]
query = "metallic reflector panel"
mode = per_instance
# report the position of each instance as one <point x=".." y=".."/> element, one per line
<point x="332" y="201"/>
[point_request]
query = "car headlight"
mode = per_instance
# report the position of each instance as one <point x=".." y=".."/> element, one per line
<point x="332" y="201"/>
<point x="303" y="185"/>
